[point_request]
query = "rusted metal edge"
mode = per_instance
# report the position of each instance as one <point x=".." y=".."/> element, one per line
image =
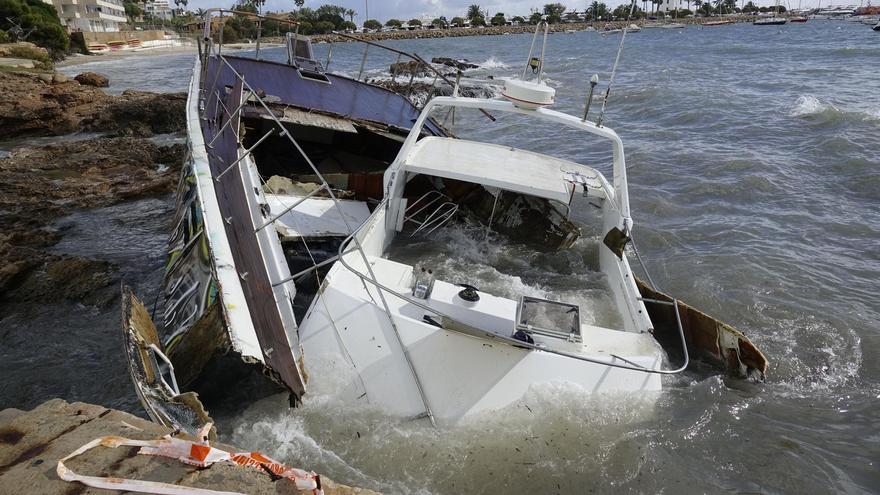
<point x="708" y="338"/>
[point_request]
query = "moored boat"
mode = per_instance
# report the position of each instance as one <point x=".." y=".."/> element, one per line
<point x="775" y="20"/>
<point x="722" y="22"/>
<point x="770" y="21"/>
<point x="97" y="48"/>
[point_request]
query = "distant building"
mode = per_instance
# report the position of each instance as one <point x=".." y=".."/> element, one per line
<point x="668" y="5"/>
<point x="158" y="9"/>
<point x="94" y="16"/>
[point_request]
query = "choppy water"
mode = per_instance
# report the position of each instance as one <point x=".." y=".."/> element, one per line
<point x="754" y="168"/>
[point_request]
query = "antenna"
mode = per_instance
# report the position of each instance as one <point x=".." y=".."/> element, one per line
<point x="593" y="82"/>
<point x="614" y="68"/>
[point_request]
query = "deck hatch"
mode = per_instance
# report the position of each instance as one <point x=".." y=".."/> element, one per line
<point x="550" y="318"/>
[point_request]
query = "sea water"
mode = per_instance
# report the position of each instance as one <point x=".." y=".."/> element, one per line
<point x="753" y="158"/>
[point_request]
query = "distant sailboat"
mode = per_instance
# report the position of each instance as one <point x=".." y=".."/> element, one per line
<point x="800" y="17"/>
<point x="772" y="21"/>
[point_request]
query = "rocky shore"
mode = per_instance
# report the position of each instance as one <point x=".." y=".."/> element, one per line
<point x="102" y="157"/>
<point x="51" y="104"/>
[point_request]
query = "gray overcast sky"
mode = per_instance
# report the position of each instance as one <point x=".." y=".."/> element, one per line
<point x="408" y="9"/>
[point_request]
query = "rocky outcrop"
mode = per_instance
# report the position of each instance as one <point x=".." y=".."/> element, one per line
<point x="411" y="68"/>
<point x="47" y="105"/>
<point x="93" y="79"/>
<point x="462" y="64"/>
<point x="14" y="49"/>
<point x="40" y="184"/>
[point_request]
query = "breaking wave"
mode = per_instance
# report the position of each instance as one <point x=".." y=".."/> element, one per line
<point x="553" y="429"/>
<point x="493" y="63"/>
<point x="810" y="105"/>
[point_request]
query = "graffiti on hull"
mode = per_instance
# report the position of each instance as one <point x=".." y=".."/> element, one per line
<point x="190" y="285"/>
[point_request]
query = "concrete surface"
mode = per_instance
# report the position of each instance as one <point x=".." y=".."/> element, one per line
<point x="31" y="442"/>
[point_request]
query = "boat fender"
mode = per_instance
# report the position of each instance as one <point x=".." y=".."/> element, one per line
<point x="469" y="293"/>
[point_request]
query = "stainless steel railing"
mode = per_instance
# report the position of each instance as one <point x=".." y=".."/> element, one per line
<point x="501" y="338"/>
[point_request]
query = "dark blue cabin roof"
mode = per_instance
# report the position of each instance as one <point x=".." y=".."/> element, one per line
<point x="342" y="96"/>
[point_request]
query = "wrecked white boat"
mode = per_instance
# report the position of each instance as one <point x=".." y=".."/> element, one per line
<point x="426" y="346"/>
<point x="299" y="190"/>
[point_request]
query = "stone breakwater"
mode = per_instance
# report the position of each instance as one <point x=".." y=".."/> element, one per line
<point x="106" y="159"/>
<point x="497" y="30"/>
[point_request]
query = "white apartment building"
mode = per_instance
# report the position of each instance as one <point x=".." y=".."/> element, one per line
<point x="90" y="15"/>
<point x="668" y="5"/>
<point x="158" y="9"/>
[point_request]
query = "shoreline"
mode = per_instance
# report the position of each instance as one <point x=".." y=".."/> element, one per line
<point x="79" y="59"/>
<point x="278" y="41"/>
<point x="503" y="30"/>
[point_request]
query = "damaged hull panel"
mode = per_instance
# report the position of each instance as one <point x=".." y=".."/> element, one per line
<point x="707" y="338"/>
<point x="201" y="269"/>
<point x="154" y="380"/>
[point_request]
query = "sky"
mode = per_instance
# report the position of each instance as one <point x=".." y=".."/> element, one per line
<point x="409" y="9"/>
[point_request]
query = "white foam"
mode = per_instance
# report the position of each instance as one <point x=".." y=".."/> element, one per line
<point x="492" y="63"/>
<point x="809" y="105"/>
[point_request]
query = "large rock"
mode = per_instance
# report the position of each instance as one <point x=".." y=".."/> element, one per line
<point x="9" y="49"/>
<point x="42" y="104"/>
<point x="411" y="68"/>
<point x="93" y="79"/>
<point x="461" y="64"/>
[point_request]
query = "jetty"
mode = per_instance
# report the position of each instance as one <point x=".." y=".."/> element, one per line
<point x="32" y="443"/>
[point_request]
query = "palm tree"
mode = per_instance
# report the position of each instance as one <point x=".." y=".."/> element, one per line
<point x="351" y="13"/>
<point x="596" y="11"/>
<point x="473" y="12"/>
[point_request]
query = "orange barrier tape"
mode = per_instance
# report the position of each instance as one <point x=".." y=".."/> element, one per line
<point x="192" y="453"/>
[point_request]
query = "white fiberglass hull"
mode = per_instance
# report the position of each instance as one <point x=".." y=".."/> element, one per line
<point x="346" y="333"/>
<point x="459" y="374"/>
